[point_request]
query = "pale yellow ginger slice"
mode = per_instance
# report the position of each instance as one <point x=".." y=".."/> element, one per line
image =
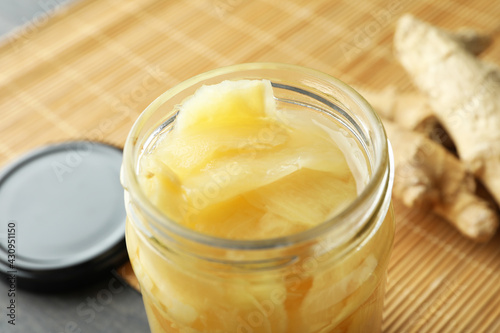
<point x="234" y="175"/>
<point x="197" y="303"/>
<point x="232" y="163"/>
<point x="305" y="197"/>
<point x="229" y="103"/>
<point x="336" y="295"/>
<point x="189" y="153"/>
<point x="220" y="120"/>
<point x="289" y="205"/>
<point x="161" y="185"/>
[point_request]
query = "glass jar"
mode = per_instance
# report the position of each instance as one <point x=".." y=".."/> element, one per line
<point x="327" y="279"/>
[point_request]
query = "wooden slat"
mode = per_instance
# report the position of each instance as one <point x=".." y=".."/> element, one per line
<point x="89" y="71"/>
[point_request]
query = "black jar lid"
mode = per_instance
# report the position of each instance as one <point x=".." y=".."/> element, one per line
<point x="62" y="215"/>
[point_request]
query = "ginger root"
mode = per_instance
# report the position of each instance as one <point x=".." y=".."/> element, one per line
<point x="463" y="92"/>
<point x="471" y="40"/>
<point x="411" y="110"/>
<point x="456" y="88"/>
<point x="428" y="176"/>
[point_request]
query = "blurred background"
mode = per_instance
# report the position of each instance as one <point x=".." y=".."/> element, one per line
<point x="86" y="69"/>
<point x="17" y="13"/>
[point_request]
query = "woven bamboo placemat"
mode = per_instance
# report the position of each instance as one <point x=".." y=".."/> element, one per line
<point x="87" y="71"/>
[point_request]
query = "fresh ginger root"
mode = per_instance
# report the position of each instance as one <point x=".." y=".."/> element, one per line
<point x="411" y="110"/>
<point x="429" y="176"/>
<point x="463" y="92"/>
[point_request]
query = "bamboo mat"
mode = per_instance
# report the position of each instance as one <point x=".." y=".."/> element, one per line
<point x="89" y="70"/>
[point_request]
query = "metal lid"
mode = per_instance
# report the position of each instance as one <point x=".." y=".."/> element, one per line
<point x="62" y="215"/>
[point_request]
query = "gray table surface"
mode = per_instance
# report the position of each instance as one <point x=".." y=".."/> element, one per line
<point x="106" y="306"/>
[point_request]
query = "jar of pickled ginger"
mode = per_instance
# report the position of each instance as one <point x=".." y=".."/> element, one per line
<point x="258" y="199"/>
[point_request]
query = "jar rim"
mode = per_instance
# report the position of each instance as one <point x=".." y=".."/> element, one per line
<point x="383" y="168"/>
